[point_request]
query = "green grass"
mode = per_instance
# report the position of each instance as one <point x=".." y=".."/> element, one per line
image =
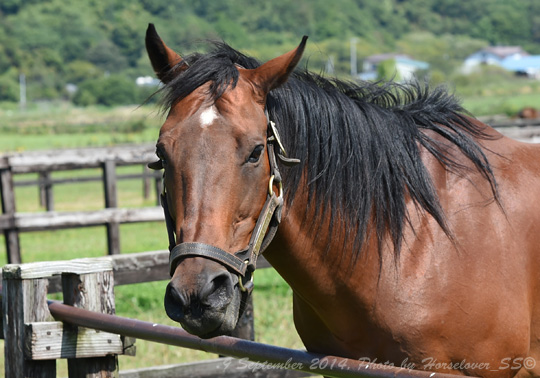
<point x="61" y="125"/>
<point x="494" y="91"/>
<point x="508" y="105"/>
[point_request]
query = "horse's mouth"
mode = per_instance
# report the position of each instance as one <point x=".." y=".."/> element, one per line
<point x="201" y="332"/>
<point x="206" y="335"/>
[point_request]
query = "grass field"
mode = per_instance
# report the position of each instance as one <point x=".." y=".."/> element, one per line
<point x="272" y="296"/>
<point x="60" y="125"/>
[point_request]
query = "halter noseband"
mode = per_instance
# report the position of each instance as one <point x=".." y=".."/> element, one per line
<point x="244" y="262"/>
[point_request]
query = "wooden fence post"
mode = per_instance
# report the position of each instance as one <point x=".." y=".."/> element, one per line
<point x="245" y="328"/>
<point x="33" y="340"/>
<point x="46" y="196"/>
<point x="23" y="301"/>
<point x="159" y="189"/>
<point x="94" y="292"/>
<point x="146" y="181"/>
<point x="11" y="235"/>
<point x="111" y="200"/>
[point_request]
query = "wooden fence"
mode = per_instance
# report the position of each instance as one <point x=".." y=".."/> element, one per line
<point x="33" y="340"/>
<point x="45" y="162"/>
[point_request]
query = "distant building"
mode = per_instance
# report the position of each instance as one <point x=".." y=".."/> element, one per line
<point x="405" y="67"/>
<point x="524" y="66"/>
<point x="147" y="81"/>
<point x="493" y="55"/>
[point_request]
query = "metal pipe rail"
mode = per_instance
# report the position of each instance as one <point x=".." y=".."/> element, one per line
<point x="268" y="355"/>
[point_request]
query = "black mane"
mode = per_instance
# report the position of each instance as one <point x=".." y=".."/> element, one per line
<point x="359" y="144"/>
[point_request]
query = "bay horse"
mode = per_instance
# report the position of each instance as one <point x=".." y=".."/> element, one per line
<point x="408" y="230"/>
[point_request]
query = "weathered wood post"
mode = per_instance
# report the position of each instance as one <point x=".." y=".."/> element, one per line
<point x="158" y="183"/>
<point x="94" y="292"/>
<point x="33" y="341"/>
<point x="147" y="176"/>
<point x="111" y="200"/>
<point x="245" y="328"/>
<point x="11" y="235"/>
<point x="46" y="196"/>
<point x="24" y="301"/>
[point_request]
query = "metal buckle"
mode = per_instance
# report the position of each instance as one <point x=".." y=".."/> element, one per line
<point x="248" y="286"/>
<point x="271" y="187"/>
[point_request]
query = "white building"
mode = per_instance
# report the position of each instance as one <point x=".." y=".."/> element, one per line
<point x="405" y="66"/>
<point x="493" y="55"/>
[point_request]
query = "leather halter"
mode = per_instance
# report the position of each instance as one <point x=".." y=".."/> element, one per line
<point x="243" y="262"/>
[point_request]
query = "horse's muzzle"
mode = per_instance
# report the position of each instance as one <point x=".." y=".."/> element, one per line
<point x="202" y="297"/>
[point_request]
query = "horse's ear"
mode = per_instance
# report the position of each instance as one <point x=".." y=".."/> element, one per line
<point x="275" y="72"/>
<point x="164" y="60"/>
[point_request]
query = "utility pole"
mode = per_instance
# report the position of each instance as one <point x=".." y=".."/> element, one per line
<point x="329" y="69"/>
<point x="22" y="91"/>
<point x="354" y="71"/>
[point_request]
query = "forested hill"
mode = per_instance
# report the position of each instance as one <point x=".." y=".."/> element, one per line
<point x="55" y="42"/>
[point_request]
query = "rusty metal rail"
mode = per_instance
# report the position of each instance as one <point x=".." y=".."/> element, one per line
<point x="268" y="356"/>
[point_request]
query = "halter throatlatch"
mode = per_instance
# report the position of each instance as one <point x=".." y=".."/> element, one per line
<point x="242" y="263"/>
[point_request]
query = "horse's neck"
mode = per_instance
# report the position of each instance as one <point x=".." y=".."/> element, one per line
<point x="312" y="261"/>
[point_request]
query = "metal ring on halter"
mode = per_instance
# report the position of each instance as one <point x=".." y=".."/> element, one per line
<point x="271" y="187"/>
<point x="241" y="285"/>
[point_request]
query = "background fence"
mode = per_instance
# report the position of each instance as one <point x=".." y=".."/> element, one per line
<point x="44" y="163"/>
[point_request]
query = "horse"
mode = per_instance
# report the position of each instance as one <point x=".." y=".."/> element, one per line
<point x="403" y="225"/>
<point x="528" y="112"/>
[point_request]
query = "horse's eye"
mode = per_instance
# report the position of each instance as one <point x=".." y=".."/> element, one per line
<point x="256" y="154"/>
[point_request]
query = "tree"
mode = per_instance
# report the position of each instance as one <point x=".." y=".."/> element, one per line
<point x="9" y="89"/>
<point x="109" y="91"/>
<point x="386" y="70"/>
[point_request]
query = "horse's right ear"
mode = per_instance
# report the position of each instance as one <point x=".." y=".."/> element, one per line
<point x="164" y="60"/>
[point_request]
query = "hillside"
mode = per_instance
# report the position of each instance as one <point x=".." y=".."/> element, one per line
<point x="55" y="42"/>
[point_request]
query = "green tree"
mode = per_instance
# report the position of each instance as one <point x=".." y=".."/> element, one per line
<point x="80" y="70"/>
<point x="109" y="91"/>
<point x="386" y="70"/>
<point x="9" y="88"/>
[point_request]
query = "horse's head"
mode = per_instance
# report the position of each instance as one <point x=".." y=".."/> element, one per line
<point x="219" y="194"/>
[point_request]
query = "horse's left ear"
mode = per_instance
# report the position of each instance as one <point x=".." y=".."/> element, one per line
<point x="275" y="72"/>
<point x="164" y="60"/>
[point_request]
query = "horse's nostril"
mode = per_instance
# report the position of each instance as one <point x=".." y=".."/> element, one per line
<point x="175" y="302"/>
<point x="174" y="294"/>
<point x="218" y="291"/>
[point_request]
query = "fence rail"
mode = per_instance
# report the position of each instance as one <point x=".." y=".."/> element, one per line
<point x="68" y="159"/>
<point x="129" y="268"/>
<point x="57" y="220"/>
